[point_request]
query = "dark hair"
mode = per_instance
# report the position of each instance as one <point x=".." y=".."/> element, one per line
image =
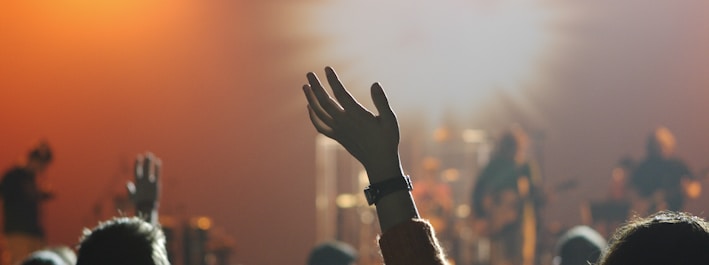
<point x="659" y="139"/>
<point x="42" y="153"/>
<point x="664" y="238"/>
<point x="580" y="245"/>
<point x="44" y="257"/>
<point x="511" y="143"/>
<point x="332" y="253"/>
<point x="123" y="240"/>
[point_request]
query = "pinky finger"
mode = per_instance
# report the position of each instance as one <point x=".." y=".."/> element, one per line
<point x="320" y="126"/>
<point x="156" y="170"/>
<point x="315" y="106"/>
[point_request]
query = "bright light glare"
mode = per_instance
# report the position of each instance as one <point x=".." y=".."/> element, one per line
<point x="431" y="52"/>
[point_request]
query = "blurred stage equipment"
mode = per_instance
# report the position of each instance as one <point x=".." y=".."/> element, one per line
<point x="342" y="212"/>
<point x="462" y="153"/>
<point x="195" y="240"/>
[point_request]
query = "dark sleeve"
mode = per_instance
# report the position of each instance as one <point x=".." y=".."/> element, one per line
<point x="479" y="192"/>
<point x="10" y="185"/>
<point x="2" y="186"/>
<point x="411" y="243"/>
<point x="640" y="180"/>
<point x="683" y="170"/>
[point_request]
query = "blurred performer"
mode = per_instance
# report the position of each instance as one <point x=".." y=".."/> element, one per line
<point x="505" y="202"/>
<point x="662" y="180"/>
<point x="22" y="197"/>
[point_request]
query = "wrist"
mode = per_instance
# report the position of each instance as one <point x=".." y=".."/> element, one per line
<point x="377" y="191"/>
<point x="386" y="169"/>
<point x="146" y="206"/>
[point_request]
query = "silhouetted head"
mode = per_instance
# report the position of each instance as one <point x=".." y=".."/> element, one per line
<point x="663" y="238"/>
<point x="580" y="245"/>
<point x="513" y="144"/>
<point x="661" y="143"/>
<point x="122" y="241"/>
<point x="332" y="253"/>
<point x="39" y="157"/>
<point x="65" y="253"/>
<point x="44" y="257"/>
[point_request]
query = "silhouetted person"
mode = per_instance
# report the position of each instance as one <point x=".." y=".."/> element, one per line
<point x="505" y="201"/>
<point x="332" y="253"/>
<point x="664" y="238"/>
<point x="661" y="179"/>
<point x="44" y="257"/>
<point x="580" y="245"/>
<point x="130" y="240"/>
<point x="123" y="240"/>
<point x="22" y="198"/>
<point x="374" y="141"/>
<point x="60" y="255"/>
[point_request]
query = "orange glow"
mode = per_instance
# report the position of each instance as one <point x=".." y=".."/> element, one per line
<point x="441" y="135"/>
<point x="203" y="223"/>
<point x="104" y="80"/>
<point x="694" y="189"/>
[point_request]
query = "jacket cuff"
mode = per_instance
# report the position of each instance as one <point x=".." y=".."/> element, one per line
<point x="411" y="242"/>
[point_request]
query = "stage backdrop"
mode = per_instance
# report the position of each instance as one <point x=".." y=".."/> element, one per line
<point x="214" y="89"/>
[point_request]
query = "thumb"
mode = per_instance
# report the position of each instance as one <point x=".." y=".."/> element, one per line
<point x="386" y="114"/>
<point x="130" y="187"/>
<point x="382" y="103"/>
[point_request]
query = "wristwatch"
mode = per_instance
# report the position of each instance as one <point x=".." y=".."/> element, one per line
<point x="375" y="191"/>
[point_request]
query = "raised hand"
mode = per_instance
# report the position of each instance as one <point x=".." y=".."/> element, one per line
<point x="144" y="191"/>
<point x="371" y="139"/>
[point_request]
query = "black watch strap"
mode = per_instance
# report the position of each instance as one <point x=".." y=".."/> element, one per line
<point x="375" y="191"/>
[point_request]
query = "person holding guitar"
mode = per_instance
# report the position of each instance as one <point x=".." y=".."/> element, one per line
<point x="505" y="202"/>
<point x="662" y="181"/>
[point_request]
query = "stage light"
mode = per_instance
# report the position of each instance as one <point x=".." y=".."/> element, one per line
<point x="473" y="136"/>
<point x="451" y="175"/>
<point x="441" y="54"/>
<point x="346" y="200"/>
<point x="203" y="223"/>
<point x="462" y="211"/>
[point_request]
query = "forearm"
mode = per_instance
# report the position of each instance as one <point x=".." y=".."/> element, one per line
<point x="396" y="208"/>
